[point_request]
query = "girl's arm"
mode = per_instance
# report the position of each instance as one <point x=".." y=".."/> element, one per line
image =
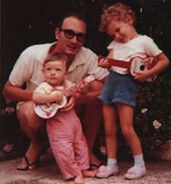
<point x="104" y="62"/>
<point x="162" y="63"/>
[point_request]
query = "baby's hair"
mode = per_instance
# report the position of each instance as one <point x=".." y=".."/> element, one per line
<point x="118" y="12"/>
<point x="56" y="57"/>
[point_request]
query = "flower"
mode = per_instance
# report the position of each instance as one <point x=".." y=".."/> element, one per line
<point x="9" y="110"/>
<point x="103" y="150"/>
<point x="144" y="110"/>
<point x="156" y="124"/>
<point x="8" y="148"/>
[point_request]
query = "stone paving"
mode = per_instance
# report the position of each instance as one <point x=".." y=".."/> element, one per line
<point x="159" y="172"/>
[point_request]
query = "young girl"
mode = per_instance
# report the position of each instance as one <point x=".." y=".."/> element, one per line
<point x="64" y="129"/>
<point x="119" y="92"/>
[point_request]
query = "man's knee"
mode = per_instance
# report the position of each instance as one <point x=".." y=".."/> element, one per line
<point x="27" y="116"/>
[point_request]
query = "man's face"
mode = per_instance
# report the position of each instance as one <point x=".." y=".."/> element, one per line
<point x="71" y="36"/>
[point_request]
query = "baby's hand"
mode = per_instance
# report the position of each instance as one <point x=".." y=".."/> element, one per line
<point x="103" y="62"/>
<point x="57" y="96"/>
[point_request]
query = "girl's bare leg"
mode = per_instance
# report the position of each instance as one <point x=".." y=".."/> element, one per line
<point x="126" y="114"/>
<point x="110" y="118"/>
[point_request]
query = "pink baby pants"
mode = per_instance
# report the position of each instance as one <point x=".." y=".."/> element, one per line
<point x="68" y="143"/>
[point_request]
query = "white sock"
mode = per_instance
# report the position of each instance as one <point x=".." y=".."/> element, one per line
<point x="111" y="162"/>
<point x="139" y="160"/>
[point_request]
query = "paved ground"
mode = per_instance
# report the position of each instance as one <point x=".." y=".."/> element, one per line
<point x="159" y="172"/>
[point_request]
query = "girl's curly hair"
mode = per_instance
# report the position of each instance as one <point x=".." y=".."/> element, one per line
<point x="118" y="12"/>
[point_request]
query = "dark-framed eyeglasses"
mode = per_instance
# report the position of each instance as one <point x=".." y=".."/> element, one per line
<point x="70" y="34"/>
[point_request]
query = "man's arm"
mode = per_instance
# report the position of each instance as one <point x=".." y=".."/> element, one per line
<point x="92" y="92"/>
<point x="16" y="93"/>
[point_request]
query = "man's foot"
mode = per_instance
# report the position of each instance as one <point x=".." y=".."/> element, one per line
<point x="89" y="173"/>
<point x="104" y="171"/>
<point x="79" y="179"/>
<point x="31" y="158"/>
<point x="135" y="172"/>
<point x="95" y="166"/>
<point x="95" y="163"/>
<point x="26" y="165"/>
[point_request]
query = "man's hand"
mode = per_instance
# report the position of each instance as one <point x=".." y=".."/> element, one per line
<point x="90" y="92"/>
<point x="69" y="105"/>
<point x="83" y="87"/>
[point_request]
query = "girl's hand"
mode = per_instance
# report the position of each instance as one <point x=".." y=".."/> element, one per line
<point x="103" y="62"/>
<point x="142" y="76"/>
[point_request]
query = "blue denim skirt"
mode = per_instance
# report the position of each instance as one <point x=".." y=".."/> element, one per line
<point x="119" y="88"/>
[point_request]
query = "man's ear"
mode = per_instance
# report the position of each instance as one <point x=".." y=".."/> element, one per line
<point x="57" y="31"/>
<point x="42" y="70"/>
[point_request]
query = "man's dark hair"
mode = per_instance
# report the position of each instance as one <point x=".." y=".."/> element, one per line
<point x="78" y="15"/>
<point x="56" y="56"/>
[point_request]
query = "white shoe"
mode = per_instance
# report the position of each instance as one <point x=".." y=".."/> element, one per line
<point x="135" y="172"/>
<point x="104" y="172"/>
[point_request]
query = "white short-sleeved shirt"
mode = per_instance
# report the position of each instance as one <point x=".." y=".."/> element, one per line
<point x="46" y="88"/>
<point x="30" y="63"/>
<point x="139" y="46"/>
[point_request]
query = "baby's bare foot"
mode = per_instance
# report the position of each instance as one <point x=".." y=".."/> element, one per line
<point x="89" y="173"/>
<point x="79" y="179"/>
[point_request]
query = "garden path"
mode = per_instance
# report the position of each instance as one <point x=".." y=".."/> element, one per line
<point x="159" y="172"/>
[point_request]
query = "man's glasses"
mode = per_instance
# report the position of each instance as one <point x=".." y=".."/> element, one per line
<point x="71" y="34"/>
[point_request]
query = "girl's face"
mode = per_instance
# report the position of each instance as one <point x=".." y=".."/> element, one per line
<point x="121" y="31"/>
<point x="55" y="72"/>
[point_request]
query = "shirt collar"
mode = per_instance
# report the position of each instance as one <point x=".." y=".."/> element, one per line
<point x="78" y="60"/>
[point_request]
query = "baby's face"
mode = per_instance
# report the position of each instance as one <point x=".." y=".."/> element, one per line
<point x="55" y="72"/>
<point x="121" y="31"/>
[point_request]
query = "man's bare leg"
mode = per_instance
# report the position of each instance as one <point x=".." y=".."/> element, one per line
<point x="92" y="118"/>
<point x="31" y="125"/>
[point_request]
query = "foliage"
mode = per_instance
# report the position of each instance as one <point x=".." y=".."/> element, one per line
<point x="13" y="141"/>
<point x="153" y="115"/>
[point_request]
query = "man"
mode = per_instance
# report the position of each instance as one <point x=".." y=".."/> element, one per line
<point x="70" y="35"/>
